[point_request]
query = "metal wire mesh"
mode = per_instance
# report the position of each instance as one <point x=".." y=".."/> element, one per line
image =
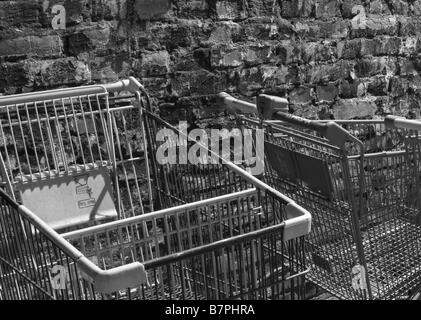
<point x="227" y="240"/>
<point x="43" y="140"/>
<point x="365" y="208"/>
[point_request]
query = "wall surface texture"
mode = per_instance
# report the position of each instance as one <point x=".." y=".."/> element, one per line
<point x="341" y="59"/>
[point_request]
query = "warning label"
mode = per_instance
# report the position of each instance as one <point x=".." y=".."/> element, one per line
<point x="86" y="203"/>
<point x="82" y="188"/>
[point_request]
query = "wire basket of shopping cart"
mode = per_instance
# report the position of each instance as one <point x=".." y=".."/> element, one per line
<point x="360" y="180"/>
<point x="88" y="212"/>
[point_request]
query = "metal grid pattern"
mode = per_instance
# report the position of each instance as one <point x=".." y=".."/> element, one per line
<point x="45" y="139"/>
<point x="27" y="255"/>
<point x="215" y="250"/>
<point x="369" y="215"/>
<point x="232" y="237"/>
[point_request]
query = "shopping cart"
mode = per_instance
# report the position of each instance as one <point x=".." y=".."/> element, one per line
<point x="219" y="232"/>
<point x="360" y="179"/>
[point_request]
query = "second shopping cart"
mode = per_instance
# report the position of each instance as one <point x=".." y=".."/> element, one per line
<point x="360" y="179"/>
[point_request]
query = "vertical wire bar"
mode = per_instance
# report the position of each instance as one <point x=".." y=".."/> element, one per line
<point x="14" y="142"/>
<point x="80" y="147"/>
<point x="63" y="152"/>
<point x="69" y="134"/>
<point x="86" y="129"/>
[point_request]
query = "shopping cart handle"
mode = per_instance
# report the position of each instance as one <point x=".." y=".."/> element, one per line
<point x="131" y="84"/>
<point x="112" y="280"/>
<point x="298" y="222"/>
<point x="330" y="130"/>
<point x="301" y="122"/>
<point x="402" y="123"/>
<point x="270" y="105"/>
<point x="104" y="281"/>
<point x="235" y="105"/>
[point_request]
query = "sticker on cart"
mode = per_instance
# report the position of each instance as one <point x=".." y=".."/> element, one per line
<point x="82" y="185"/>
<point x="82" y="188"/>
<point x="87" y="203"/>
<point x="358" y="278"/>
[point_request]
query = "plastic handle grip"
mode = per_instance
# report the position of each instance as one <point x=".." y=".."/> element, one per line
<point x="402" y="123"/>
<point x="302" y="122"/>
<point x="269" y="105"/>
<point x="235" y="105"/>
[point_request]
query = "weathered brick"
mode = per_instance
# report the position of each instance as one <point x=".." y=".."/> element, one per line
<point x="200" y="82"/>
<point x="416" y="7"/>
<point x="99" y="36"/>
<point x="21" y="13"/>
<point x="110" y="68"/>
<point x="178" y="35"/>
<point x="117" y="8"/>
<point x="257" y="54"/>
<point x="349" y="49"/>
<point x="380" y="46"/>
<point x="158" y="87"/>
<point x="409" y="66"/>
<point x="274" y="76"/>
<point x="185" y="60"/>
<point x="368" y="67"/>
<point x="348" y="8"/>
<point x="332" y="30"/>
<point x="327" y="9"/>
<point x="12" y="75"/>
<point x="265" y="28"/>
<point x="378" y="7"/>
<point x="328" y="72"/>
<point x="155" y="64"/>
<point x="226" y="57"/>
<point x="32" y="46"/>
<point x="301" y="95"/>
<point x="377" y="86"/>
<point x="81" y="10"/>
<point x="286" y="52"/>
<point x="399" y="7"/>
<point x="203" y="57"/>
<point x="229" y="10"/>
<point x="318" y="30"/>
<point x="294" y="9"/>
<point x="192" y="9"/>
<point x="151" y="9"/>
<point x="225" y="33"/>
<point x="409" y="46"/>
<point x="409" y="26"/>
<point x="327" y="93"/>
<point x="250" y="81"/>
<point x="355" y="109"/>
<point x="397" y="86"/>
<point x="87" y="39"/>
<point x="306" y="111"/>
<point x="375" y="25"/>
<point x="348" y="89"/>
<point x="50" y="73"/>
<point x="260" y="8"/>
<point x="323" y="51"/>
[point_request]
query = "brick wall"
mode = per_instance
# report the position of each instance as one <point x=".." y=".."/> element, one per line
<point x="344" y="59"/>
